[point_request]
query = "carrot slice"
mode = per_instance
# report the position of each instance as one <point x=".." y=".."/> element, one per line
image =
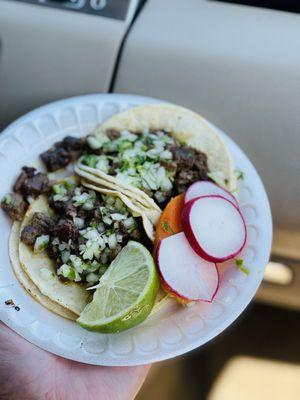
<point x="169" y="222"/>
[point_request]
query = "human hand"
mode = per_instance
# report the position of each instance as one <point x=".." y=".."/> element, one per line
<point x="29" y="373"/>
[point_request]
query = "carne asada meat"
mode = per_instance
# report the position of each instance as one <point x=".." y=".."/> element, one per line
<point x="63" y="152"/>
<point x="183" y="180"/>
<point x="187" y="157"/>
<point x="40" y="224"/>
<point x="14" y="205"/>
<point x="65" y="230"/>
<point x="66" y="208"/>
<point x="30" y="171"/>
<point x="29" y="235"/>
<point x="54" y="253"/>
<point x="36" y="185"/>
<point x="56" y="158"/>
<point x="26" y="173"/>
<point x="71" y="143"/>
<point x="134" y="235"/>
<point x="191" y="166"/>
<point x="31" y="183"/>
<point x="43" y="222"/>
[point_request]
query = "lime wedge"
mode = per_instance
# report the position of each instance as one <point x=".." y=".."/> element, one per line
<point x="126" y="293"/>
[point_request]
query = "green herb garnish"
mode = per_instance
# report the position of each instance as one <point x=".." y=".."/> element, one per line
<point x="240" y="176"/>
<point x="94" y="224"/>
<point x="125" y="146"/>
<point x="70" y="184"/>
<point x="56" y="189"/>
<point x="239" y="262"/>
<point x="166" y="227"/>
<point x="7" y="199"/>
<point x="90" y="160"/>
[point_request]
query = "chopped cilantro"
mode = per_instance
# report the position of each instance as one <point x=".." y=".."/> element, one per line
<point x="56" y="188"/>
<point x="166" y="227"/>
<point x="94" y="224"/>
<point x="140" y="159"/>
<point x="239" y="262"/>
<point x="125" y="145"/>
<point x="70" y="184"/>
<point x="240" y="176"/>
<point x="90" y="160"/>
<point x="7" y="199"/>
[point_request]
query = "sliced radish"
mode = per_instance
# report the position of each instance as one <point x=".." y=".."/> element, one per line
<point x="185" y="274"/>
<point x="206" y="188"/>
<point x="214" y="227"/>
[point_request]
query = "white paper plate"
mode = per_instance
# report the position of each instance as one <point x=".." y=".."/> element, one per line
<point x="173" y="330"/>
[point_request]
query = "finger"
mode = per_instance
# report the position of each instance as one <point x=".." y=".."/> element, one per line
<point x="141" y="373"/>
<point x="104" y="383"/>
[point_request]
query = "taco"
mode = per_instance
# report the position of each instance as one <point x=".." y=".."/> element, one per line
<point x="154" y="152"/>
<point x="67" y="240"/>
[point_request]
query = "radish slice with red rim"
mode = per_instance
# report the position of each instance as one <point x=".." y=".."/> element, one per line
<point x="206" y="188"/>
<point x="214" y="227"/>
<point x="185" y="274"/>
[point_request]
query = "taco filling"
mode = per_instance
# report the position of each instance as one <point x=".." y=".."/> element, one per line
<point x="155" y="161"/>
<point x="83" y="232"/>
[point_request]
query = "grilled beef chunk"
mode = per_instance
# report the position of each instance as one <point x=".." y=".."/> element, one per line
<point x="54" y="253"/>
<point x="40" y="224"/>
<point x="136" y="234"/>
<point x="31" y="183"/>
<point x="71" y="143"/>
<point x="30" y="171"/>
<point x="43" y="222"/>
<point x="20" y="182"/>
<point x="170" y="166"/>
<point x="62" y="153"/>
<point x="97" y="214"/>
<point x="36" y="185"/>
<point x="184" y="179"/>
<point x="14" y="205"/>
<point x="56" y="158"/>
<point x="184" y="156"/>
<point x="69" y="209"/>
<point x="65" y="230"/>
<point x="191" y="166"/>
<point x="123" y="231"/>
<point x="29" y="235"/>
<point x="66" y="208"/>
